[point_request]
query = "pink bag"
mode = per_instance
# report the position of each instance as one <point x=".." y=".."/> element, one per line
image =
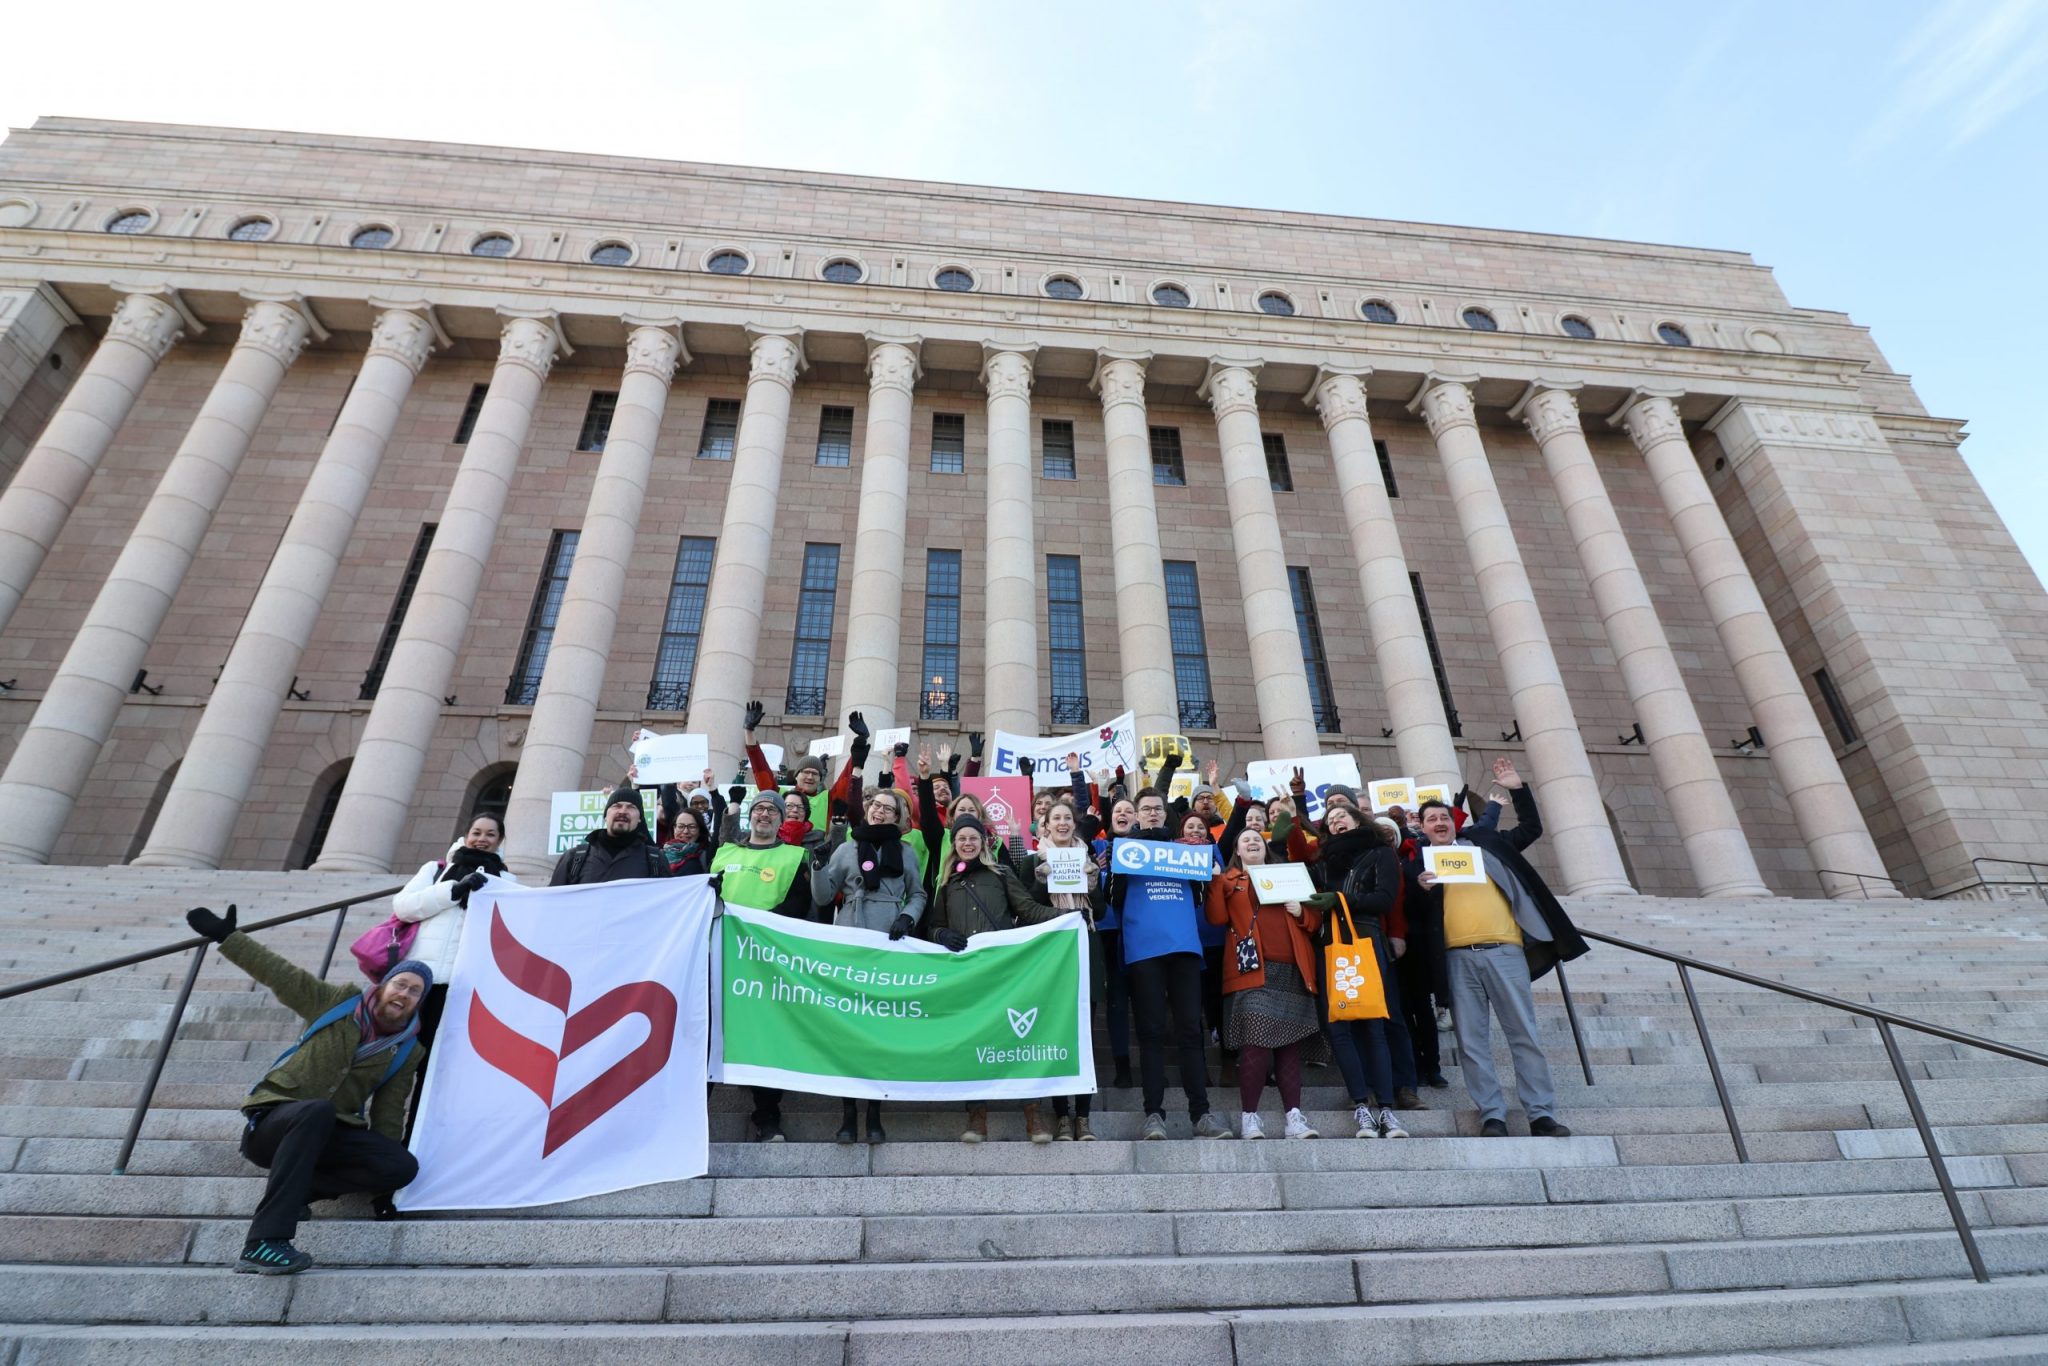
<point x="385" y="945"/>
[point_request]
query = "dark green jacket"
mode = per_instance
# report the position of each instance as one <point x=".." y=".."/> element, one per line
<point x="986" y="897"/>
<point x="325" y="1067"/>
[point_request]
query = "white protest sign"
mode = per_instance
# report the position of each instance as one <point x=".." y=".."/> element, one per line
<point x="1271" y="777"/>
<point x="670" y="759"/>
<point x="573" y="815"/>
<point x="1430" y="792"/>
<point x="1455" y="862"/>
<point x="1113" y="745"/>
<point x="1386" y="792"/>
<point x="831" y="747"/>
<point x="1277" y="883"/>
<point x="1067" y="868"/>
<point x="885" y="741"/>
<point x="773" y="754"/>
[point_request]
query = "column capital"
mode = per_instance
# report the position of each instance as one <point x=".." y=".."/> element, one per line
<point x="149" y="322"/>
<point x="1445" y="402"/>
<point x="777" y="355"/>
<point x="894" y="362"/>
<point x="276" y="328"/>
<point x="530" y="341"/>
<point x="1231" y="386"/>
<point x="1120" y="377"/>
<point x="1338" y="394"/>
<point x="1650" y="416"/>
<point x="404" y="335"/>
<point x="655" y="349"/>
<point x="1548" y="410"/>
<point x="1006" y="370"/>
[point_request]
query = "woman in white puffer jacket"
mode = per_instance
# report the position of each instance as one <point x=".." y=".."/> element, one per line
<point x="437" y="899"/>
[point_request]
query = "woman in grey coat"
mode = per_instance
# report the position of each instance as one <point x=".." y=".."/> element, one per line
<point x="875" y="878"/>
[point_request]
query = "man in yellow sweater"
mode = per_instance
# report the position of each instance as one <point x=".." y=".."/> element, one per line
<point x="1500" y="934"/>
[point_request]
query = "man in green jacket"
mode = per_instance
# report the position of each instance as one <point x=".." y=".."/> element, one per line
<point x="306" y="1120"/>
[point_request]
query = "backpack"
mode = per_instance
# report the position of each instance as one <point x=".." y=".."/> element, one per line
<point x="341" y="1010"/>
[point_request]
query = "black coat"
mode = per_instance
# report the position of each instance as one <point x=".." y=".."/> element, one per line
<point x="603" y="857"/>
<point x="1504" y="848"/>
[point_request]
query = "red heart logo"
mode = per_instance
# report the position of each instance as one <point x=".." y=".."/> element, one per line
<point x="533" y="1064"/>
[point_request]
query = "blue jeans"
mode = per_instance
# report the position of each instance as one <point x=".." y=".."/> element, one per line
<point x="1496" y="977"/>
<point x="1376" y="1056"/>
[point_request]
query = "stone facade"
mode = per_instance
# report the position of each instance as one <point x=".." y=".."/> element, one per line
<point x="220" y="454"/>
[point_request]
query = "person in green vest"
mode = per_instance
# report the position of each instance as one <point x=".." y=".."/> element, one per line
<point x="762" y="873"/>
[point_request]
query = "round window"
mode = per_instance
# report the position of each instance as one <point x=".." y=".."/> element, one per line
<point x="1575" y="326"/>
<point x="1479" y="320"/>
<point x="1063" y="287"/>
<point x="955" y="279"/>
<point x="129" y="223"/>
<point x="491" y="244"/>
<point x="373" y="238"/>
<point x="610" y="254"/>
<point x="728" y="263"/>
<point x="1378" y="311"/>
<point x="1671" y="334"/>
<point x="1170" y="296"/>
<point x="1279" y="305"/>
<point x="843" y="272"/>
<point x="252" y="230"/>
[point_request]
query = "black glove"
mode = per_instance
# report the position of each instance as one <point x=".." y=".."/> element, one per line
<point x="1023" y="767"/>
<point x="855" y="724"/>
<point x="464" y="886"/>
<point x="974" y="742"/>
<point x="755" y="711"/>
<point x="210" y="926"/>
<point x="902" y="926"/>
<point x="902" y="750"/>
<point x="953" y="763"/>
<point x="735" y="792"/>
<point x="717" y="881"/>
<point x="946" y="937"/>
<point x="888" y="778"/>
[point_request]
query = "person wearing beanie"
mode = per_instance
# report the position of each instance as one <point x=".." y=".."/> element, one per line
<point x="760" y="872"/>
<point x="325" y="1120"/>
<point x="620" y="848"/>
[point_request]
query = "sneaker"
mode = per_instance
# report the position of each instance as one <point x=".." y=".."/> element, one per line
<point x="1391" y="1127"/>
<point x="1299" y="1127"/>
<point x="1494" y="1128"/>
<point x="1368" y="1126"/>
<point x="272" y="1257"/>
<point x="1248" y="1126"/>
<point x="1546" y="1127"/>
<point x="1207" y="1126"/>
<point x="769" y="1130"/>
<point x="1155" y="1127"/>
<point x="1406" y="1099"/>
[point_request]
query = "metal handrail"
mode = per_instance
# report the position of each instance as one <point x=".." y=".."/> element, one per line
<point x="198" y="945"/>
<point x="1862" y="880"/>
<point x="1884" y="1019"/>
<point x="2034" y="871"/>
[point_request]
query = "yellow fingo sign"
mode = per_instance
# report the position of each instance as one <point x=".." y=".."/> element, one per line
<point x="1456" y="863"/>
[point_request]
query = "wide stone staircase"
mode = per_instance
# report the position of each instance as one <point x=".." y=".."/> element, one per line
<point x="1642" y="1237"/>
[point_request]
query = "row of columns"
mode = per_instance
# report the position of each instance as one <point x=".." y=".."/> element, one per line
<point x="42" y="781"/>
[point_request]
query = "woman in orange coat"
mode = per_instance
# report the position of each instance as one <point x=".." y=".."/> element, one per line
<point x="1269" y="973"/>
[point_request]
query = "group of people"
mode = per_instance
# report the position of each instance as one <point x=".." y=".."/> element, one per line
<point x="1186" y="962"/>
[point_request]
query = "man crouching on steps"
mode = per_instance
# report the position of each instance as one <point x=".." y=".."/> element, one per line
<point x="304" y="1121"/>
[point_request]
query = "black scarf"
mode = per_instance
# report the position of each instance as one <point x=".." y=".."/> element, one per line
<point x="613" y="844"/>
<point x="879" y="849"/>
<point x="466" y="860"/>
<point x="1340" y="852"/>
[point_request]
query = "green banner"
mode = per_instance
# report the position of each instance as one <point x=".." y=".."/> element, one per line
<point x="846" y="1012"/>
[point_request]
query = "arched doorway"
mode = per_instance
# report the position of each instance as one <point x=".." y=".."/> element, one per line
<point x="319" y="816"/>
<point x="151" y="811"/>
<point x="490" y="790"/>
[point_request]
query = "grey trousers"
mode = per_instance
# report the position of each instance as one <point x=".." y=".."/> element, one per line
<point x="1497" y="977"/>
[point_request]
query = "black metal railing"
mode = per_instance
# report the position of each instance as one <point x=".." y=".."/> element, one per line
<point x="1327" y="720"/>
<point x="198" y="946"/>
<point x="1069" y="709"/>
<point x="1885" y="1021"/>
<point x="804" y="702"/>
<point x="1197" y="715"/>
<point x="1863" y="881"/>
<point x="2036" y="875"/>
<point x="668" y="697"/>
<point x="522" y="691"/>
<point x="939" y="705"/>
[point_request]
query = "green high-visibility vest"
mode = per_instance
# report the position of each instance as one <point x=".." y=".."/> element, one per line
<point x="758" y="878"/>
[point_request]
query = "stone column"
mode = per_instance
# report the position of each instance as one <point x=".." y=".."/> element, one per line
<point x="370" y="819"/>
<point x="1722" y="864"/>
<point x="1825" y="809"/>
<point x="57" y="751"/>
<point x="565" y="708"/>
<point x="739" y="577"/>
<point x="874" y="603"/>
<point x="1010" y="608"/>
<point x="222" y="760"/>
<point x="1287" y="720"/>
<point x="1574" y="818"/>
<point x="1415" y="707"/>
<point x="54" y="473"/>
<point x="1144" y="640"/>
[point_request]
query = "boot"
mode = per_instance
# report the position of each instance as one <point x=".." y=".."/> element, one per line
<point x="1062" y="1129"/>
<point x="1406" y="1099"/>
<point x="1123" y="1072"/>
<point x="1082" y="1133"/>
<point x="1034" y="1124"/>
<point x="849" y="1131"/>
<point x="977" y="1125"/>
<point x="876" y="1133"/>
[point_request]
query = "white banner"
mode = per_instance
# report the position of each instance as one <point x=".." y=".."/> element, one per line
<point x="571" y="1055"/>
<point x="1272" y="777"/>
<point x="881" y="744"/>
<point x="1114" y="745"/>
<point x="661" y="759"/>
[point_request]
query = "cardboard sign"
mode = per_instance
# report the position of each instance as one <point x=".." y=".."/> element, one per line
<point x="1067" y="868"/>
<point x="1455" y="862"/>
<point x="1386" y="792"/>
<point x="1274" y="883"/>
<point x="573" y="815"/>
<point x="1006" y="803"/>
<point x="1433" y="792"/>
<point x="1113" y="745"/>
<point x="661" y="759"/>
<point x="831" y="747"/>
<point x="1158" y="858"/>
<point x="1158" y="748"/>
<point x="1271" y="777"/>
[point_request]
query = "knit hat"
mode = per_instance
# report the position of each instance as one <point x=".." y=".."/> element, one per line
<point x="966" y="820"/>
<point x="624" y="792"/>
<point x="811" y="762"/>
<point x="1340" y="790"/>
<point x="773" y="799"/>
<point x="1204" y="791"/>
<point x="1392" y="828"/>
<point x="413" y="966"/>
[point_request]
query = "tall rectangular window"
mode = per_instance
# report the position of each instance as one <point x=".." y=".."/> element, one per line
<point x="1057" y="438"/>
<point x="940" y="700"/>
<point x="332" y="422"/>
<point x="1190" y="645"/>
<point x="1167" y="467"/>
<point x="811" y="660"/>
<point x="835" y="437"/>
<point x="1277" y="473"/>
<point x="467" y="424"/>
<point x="540" y="621"/>
<point x="1068" y="640"/>
<point x="1845" y="724"/>
<point x="1436" y="655"/>
<point x="1379" y="448"/>
<point x="721" y="429"/>
<point x="1314" y="661"/>
<point x="597" y="421"/>
<point x="949" y="443"/>
<point x="374" y="679"/>
<point x="675" y="661"/>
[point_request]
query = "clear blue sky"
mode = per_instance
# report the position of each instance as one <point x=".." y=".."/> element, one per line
<point x="1886" y="159"/>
